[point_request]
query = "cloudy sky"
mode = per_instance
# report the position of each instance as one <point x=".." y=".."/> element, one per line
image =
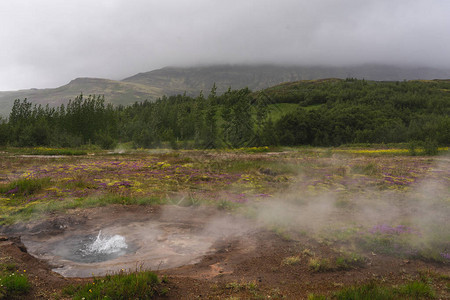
<point x="46" y="43"/>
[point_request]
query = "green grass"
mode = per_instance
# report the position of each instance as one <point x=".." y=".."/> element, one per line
<point x="280" y="109"/>
<point x="108" y="199"/>
<point x="316" y="297"/>
<point x="7" y="267"/>
<point x="372" y="291"/>
<point x="227" y="205"/>
<point x="369" y="291"/>
<point x="25" y="186"/>
<point x="350" y="260"/>
<point x="242" y="286"/>
<point x="370" y="169"/>
<point x="317" y="264"/>
<point x="416" y="290"/>
<point x="428" y="247"/>
<point x="290" y="260"/>
<point x="13" y="285"/>
<point x="79" y="183"/>
<point x="139" y="285"/>
<point x="235" y="166"/>
<point x="270" y="168"/>
<point x="385" y="244"/>
<point x="35" y="210"/>
<point x="344" y="262"/>
<point x="47" y="151"/>
<point x="375" y="291"/>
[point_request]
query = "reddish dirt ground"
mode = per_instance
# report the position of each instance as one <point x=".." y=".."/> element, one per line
<point x="247" y="266"/>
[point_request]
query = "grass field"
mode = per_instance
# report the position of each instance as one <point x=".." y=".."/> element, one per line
<point x="356" y="202"/>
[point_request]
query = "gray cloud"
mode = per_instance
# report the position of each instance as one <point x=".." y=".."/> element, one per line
<point x="47" y="43"/>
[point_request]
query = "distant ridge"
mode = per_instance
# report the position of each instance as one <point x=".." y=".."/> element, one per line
<point x="116" y="92"/>
<point x="192" y="80"/>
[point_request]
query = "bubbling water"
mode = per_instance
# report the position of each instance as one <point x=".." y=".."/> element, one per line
<point x="92" y="248"/>
<point x="173" y="237"/>
<point x="105" y="245"/>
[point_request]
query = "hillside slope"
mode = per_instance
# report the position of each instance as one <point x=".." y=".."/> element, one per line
<point x="116" y="92"/>
<point x="192" y="80"/>
<point x="170" y="81"/>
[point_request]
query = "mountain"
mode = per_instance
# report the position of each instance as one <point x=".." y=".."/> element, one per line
<point x="171" y="80"/>
<point x="116" y="92"/>
<point x="194" y="79"/>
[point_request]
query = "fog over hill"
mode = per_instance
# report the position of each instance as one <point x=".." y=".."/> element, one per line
<point x="256" y="77"/>
<point x="176" y="80"/>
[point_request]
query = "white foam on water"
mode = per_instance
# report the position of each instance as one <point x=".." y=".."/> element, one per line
<point x="106" y="245"/>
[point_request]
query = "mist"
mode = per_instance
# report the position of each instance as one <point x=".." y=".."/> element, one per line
<point x="416" y="218"/>
<point x="48" y="43"/>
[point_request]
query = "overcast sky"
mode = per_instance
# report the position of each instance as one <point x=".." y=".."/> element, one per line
<point x="46" y="43"/>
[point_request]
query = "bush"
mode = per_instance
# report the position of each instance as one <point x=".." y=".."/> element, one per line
<point x="412" y="148"/>
<point x="430" y="147"/>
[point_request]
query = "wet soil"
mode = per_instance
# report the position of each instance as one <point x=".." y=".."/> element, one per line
<point x="243" y="260"/>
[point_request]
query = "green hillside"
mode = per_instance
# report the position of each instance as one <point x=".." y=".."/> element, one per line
<point x="328" y="112"/>
<point x="257" y="77"/>
<point x="172" y="81"/>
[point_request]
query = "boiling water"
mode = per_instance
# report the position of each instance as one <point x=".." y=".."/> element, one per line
<point x="90" y="249"/>
<point x="105" y="245"/>
<point x="177" y="237"/>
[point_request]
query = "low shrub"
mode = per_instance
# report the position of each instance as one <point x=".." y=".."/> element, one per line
<point x="320" y="264"/>
<point x="291" y="260"/>
<point x="350" y="260"/>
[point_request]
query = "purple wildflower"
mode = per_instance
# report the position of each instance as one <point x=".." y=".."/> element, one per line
<point x="13" y="191"/>
<point x="32" y="199"/>
<point x="123" y="183"/>
<point x="386" y="229"/>
<point x="263" y="195"/>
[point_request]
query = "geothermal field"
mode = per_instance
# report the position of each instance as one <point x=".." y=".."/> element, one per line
<point x="250" y="223"/>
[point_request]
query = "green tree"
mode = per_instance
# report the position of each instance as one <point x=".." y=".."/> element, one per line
<point x="238" y="122"/>
<point x="210" y="131"/>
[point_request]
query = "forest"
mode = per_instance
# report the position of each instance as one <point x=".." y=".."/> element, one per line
<point x="328" y="112"/>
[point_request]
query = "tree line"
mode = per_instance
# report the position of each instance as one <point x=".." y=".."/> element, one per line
<point x="319" y="113"/>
